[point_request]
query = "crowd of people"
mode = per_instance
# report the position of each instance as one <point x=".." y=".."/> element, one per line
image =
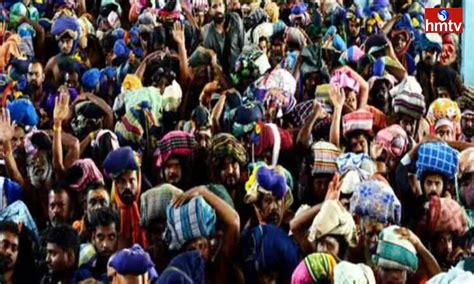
<point x="227" y="141"/>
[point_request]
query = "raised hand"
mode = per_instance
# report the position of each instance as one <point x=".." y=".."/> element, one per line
<point x="61" y="107"/>
<point x="185" y="197"/>
<point x="178" y="33"/>
<point x="408" y="235"/>
<point x="337" y="96"/>
<point x="7" y="127"/>
<point x="334" y="189"/>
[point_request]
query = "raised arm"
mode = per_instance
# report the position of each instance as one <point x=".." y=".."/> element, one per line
<point x="363" y="89"/>
<point x="108" y="112"/>
<point x="7" y="131"/>
<point x="304" y="135"/>
<point x="216" y="114"/>
<point x="178" y="36"/>
<point x="299" y="227"/>
<point x="337" y="98"/>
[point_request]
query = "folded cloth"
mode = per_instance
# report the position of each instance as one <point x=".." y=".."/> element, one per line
<point x="153" y="203"/>
<point x="172" y="97"/>
<point x="376" y="200"/>
<point x="295" y="36"/>
<point x="315" y="268"/>
<point x="90" y="79"/>
<point x="280" y="79"/>
<point x="301" y="112"/>
<point x="350" y="273"/>
<point x="324" y="157"/>
<point x="120" y="160"/>
<point x="131" y="82"/>
<point x="18" y="213"/>
<point x="267" y="248"/>
<point x="351" y="55"/>
<point x="191" y="220"/>
<point x="393" y="139"/>
<point x="249" y="66"/>
<point x="174" y="143"/>
<point x="409" y="103"/>
<point x="244" y="118"/>
<point x="444" y="215"/>
<point x="185" y="268"/>
<point x="443" y="108"/>
<point x="136" y="97"/>
<point x="23" y="112"/>
<point x="393" y="252"/>
<point x="439" y="158"/>
<point x="345" y="80"/>
<point x="90" y="174"/>
<point x="133" y="261"/>
<point x="454" y="275"/>
<point x="100" y="135"/>
<point x="224" y="145"/>
<point x="10" y="49"/>
<point x="66" y="25"/>
<point x="333" y="219"/>
<point x="10" y="192"/>
<point x="350" y="161"/>
<point x="357" y="120"/>
<point x="268" y="136"/>
<point x="466" y="162"/>
<point x="133" y="127"/>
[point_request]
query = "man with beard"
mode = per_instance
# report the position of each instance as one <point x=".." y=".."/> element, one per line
<point x="467" y="126"/>
<point x="62" y="254"/>
<point x="224" y="35"/>
<point x="430" y="48"/>
<point x="104" y="227"/>
<point x="124" y="166"/>
<point x="35" y="78"/>
<point x="9" y="247"/>
<point x="59" y="207"/>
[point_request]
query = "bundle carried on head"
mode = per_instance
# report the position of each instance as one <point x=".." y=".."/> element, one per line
<point x="437" y="158"/>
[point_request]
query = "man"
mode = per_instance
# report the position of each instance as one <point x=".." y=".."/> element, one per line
<point x="104" y="227"/>
<point x="132" y="265"/>
<point x="124" y="167"/>
<point x="59" y="207"/>
<point x="62" y="254"/>
<point x="35" y="78"/>
<point x="224" y="35"/>
<point x="430" y="47"/>
<point x="467" y="126"/>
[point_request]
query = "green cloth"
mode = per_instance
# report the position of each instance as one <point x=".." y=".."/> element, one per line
<point x="221" y="192"/>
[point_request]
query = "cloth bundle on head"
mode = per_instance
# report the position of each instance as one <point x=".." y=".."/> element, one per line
<point x="27" y="34"/>
<point x="267" y="248"/>
<point x="267" y="180"/>
<point x="244" y="118"/>
<point x="19" y="10"/>
<point x="393" y="139"/>
<point x="31" y="148"/>
<point x="131" y="82"/>
<point x="18" y="213"/>
<point x="153" y="202"/>
<point x="10" y="192"/>
<point x="325" y="155"/>
<point x="351" y="55"/>
<point x="9" y="50"/>
<point x="135" y="124"/>
<point x="100" y="134"/>
<point x="185" y="268"/>
<point x="466" y="162"/>
<point x="90" y="79"/>
<point x="273" y="11"/>
<point x="312" y="61"/>
<point x="333" y="219"/>
<point x="133" y="261"/>
<point x="90" y="175"/>
<point x="280" y="79"/>
<point x="444" y="215"/>
<point x="361" y="119"/>
<point x="191" y="220"/>
<point x="350" y="273"/>
<point x="296" y="37"/>
<point x="268" y="136"/>
<point x="67" y="26"/>
<point x="376" y="200"/>
<point x="454" y="275"/>
<point x="315" y="268"/>
<point x="345" y="80"/>
<point x="393" y="252"/>
<point x="174" y="143"/>
<point x="23" y="113"/>
<point x="132" y="98"/>
<point x="354" y="169"/>
<point x="407" y="98"/>
<point x="430" y="41"/>
<point x="438" y="158"/>
<point x="250" y="65"/>
<point x="225" y="145"/>
<point x="172" y="97"/>
<point x="444" y="111"/>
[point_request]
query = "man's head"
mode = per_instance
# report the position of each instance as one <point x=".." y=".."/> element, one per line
<point x="358" y="142"/>
<point x="351" y="98"/>
<point x="442" y="246"/>
<point x="333" y="244"/>
<point x="429" y="56"/>
<point x="104" y="226"/>
<point x="127" y="186"/>
<point x="97" y="198"/>
<point x="172" y="170"/>
<point x="467" y="124"/>
<point x="354" y="27"/>
<point x="59" y="207"/>
<point x="408" y="124"/>
<point x="371" y="231"/>
<point x="217" y="11"/>
<point x="35" y="75"/>
<point x="39" y="169"/>
<point x="66" y="44"/>
<point x="270" y="208"/>
<point x="444" y="129"/>
<point x="62" y="249"/>
<point x="9" y="246"/>
<point x="379" y="95"/>
<point x="230" y="172"/>
<point x="319" y="187"/>
<point x="466" y="187"/>
<point x="203" y="138"/>
<point x="18" y="141"/>
<point x="400" y="42"/>
<point x="433" y="184"/>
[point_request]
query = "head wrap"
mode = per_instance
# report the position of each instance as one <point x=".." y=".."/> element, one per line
<point x="244" y="118"/>
<point x="66" y="25"/>
<point x="186" y="268"/>
<point x="376" y="200"/>
<point x="133" y="98"/>
<point x="315" y="268"/>
<point x="295" y="36"/>
<point x="454" y="275"/>
<point x="443" y="108"/>
<point x="90" y="79"/>
<point x="131" y="82"/>
<point x="267" y="248"/>
<point x="23" y="113"/>
<point x="172" y="97"/>
<point x="394" y="140"/>
<point x="18" y="213"/>
<point x="251" y="64"/>
<point x="31" y="148"/>
<point x="133" y="261"/>
<point x="333" y="219"/>
<point x="351" y="55"/>
<point x="299" y="11"/>
<point x="200" y="118"/>
<point x="135" y="126"/>
<point x="357" y="120"/>
<point x="324" y="156"/>
<point x="120" y="160"/>
<point x="191" y="220"/>
<point x="9" y="50"/>
<point x="354" y="169"/>
<point x="393" y="252"/>
<point x="174" y="143"/>
<point x="444" y="122"/>
<point x="444" y="215"/>
<point x="438" y="158"/>
<point x="114" y="140"/>
<point x="90" y="175"/>
<point x="268" y="136"/>
<point x="350" y="273"/>
<point x="466" y="161"/>
<point x="19" y="10"/>
<point x="153" y="202"/>
<point x="345" y="80"/>
<point x="225" y="145"/>
<point x="10" y="192"/>
<point x="430" y="41"/>
<point x="407" y="98"/>
<point x="273" y="11"/>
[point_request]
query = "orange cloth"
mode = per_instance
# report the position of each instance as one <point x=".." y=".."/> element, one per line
<point x="10" y="48"/>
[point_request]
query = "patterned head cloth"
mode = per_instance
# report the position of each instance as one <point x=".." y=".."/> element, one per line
<point x="351" y="55"/>
<point x="90" y="174"/>
<point x="350" y="273"/>
<point x="18" y="213"/>
<point x="444" y="215"/>
<point x="357" y="120"/>
<point x="407" y="98"/>
<point x="250" y="65"/>
<point x="67" y="25"/>
<point x="119" y="161"/>
<point x="268" y="136"/>
<point x="345" y="80"/>
<point x="438" y="158"/>
<point x="466" y="161"/>
<point x="10" y="192"/>
<point x="134" y="125"/>
<point x="333" y="219"/>
<point x="315" y="268"/>
<point x="131" y="83"/>
<point x="376" y="200"/>
<point x="325" y="155"/>
<point x="153" y="202"/>
<point x="225" y="145"/>
<point x="443" y="108"/>
<point x="393" y="252"/>
<point x="394" y="140"/>
<point x="174" y="143"/>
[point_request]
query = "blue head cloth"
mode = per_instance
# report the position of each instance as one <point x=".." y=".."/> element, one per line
<point x="90" y="79"/>
<point x="23" y="112"/>
<point x="338" y="43"/>
<point x="120" y="160"/>
<point x="120" y="49"/>
<point x="134" y="36"/>
<point x="11" y="190"/>
<point x="430" y="41"/>
<point x="185" y="268"/>
<point x="134" y="261"/>
<point x="272" y="181"/>
<point x="67" y="25"/>
<point x="378" y="69"/>
<point x="17" y="212"/>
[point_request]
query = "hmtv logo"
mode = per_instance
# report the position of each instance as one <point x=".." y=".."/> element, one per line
<point x="443" y="20"/>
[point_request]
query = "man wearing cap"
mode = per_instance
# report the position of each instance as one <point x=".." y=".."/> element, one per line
<point x="124" y="167"/>
<point x="132" y="265"/>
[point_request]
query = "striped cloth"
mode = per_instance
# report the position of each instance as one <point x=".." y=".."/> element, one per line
<point x="357" y="120"/>
<point x="444" y="215"/>
<point x="393" y="139"/>
<point x="438" y="158"/>
<point x="225" y="145"/>
<point x="324" y="158"/>
<point x="153" y="202"/>
<point x="174" y="143"/>
<point x="192" y="220"/>
<point x="411" y="104"/>
<point x="315" y="268"/>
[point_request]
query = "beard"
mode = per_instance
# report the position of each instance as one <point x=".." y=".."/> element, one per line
<point x="219" y="18"/>
<point x="273" y="218"/>
<point x="40" y="177"/>
<point x="127" y="197"/>
<point x="6" y="263"/>
<point x="468" y="131"/>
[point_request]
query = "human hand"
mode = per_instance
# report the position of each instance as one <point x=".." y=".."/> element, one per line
<point x="376" y="150"/>
<point x="7" y="127"/>
<point x="178" y="33"/>
<point x="61" y="106"/>
<point x="408" y="235"/>
<point x="334" y="189"/>
<point x="337" y="96"/>
<point x="318" y="110"/>
<point x="186" y="196"/>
